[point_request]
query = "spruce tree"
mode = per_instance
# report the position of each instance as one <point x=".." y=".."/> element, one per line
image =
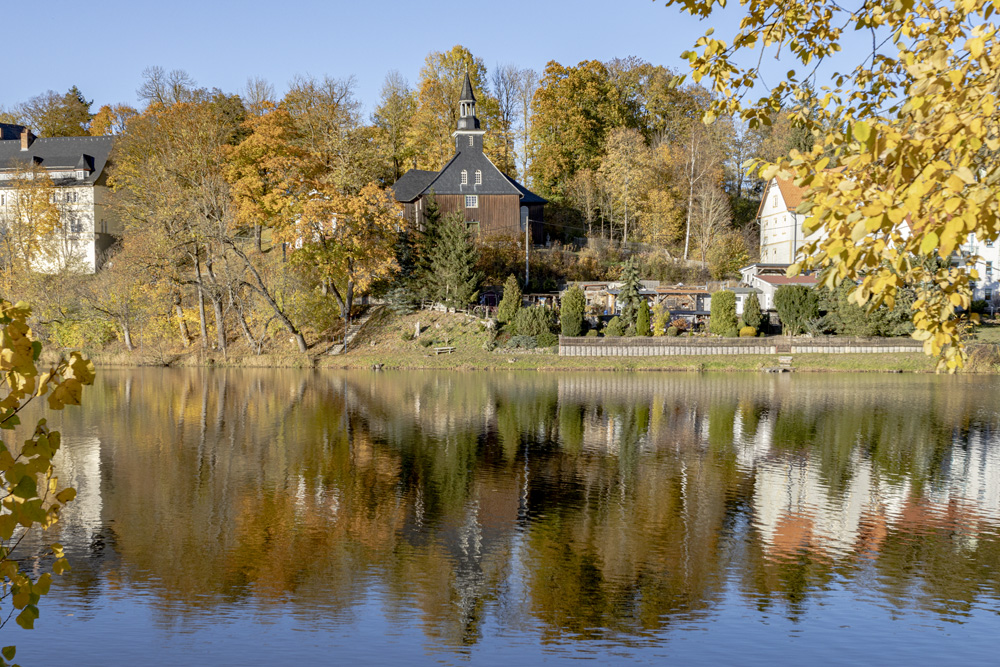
<point x="511" y="301"/>
<point x="453" y="262"/>
<point x="424" y="242"/>
<point x="642" y="319"/>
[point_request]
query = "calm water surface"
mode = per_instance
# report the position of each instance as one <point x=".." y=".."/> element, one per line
<point x="281" y="517"/>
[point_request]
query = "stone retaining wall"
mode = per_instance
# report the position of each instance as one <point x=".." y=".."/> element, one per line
<point x="665" y="346"/>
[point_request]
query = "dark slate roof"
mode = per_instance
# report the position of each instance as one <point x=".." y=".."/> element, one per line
<point x="412" y="184"/>
<point x="64" y="153"/>
<point x="467" y="94"/>
<point x="527" y="196"/>
<point x="449" y="179"/>
<point x="10" y="131"/>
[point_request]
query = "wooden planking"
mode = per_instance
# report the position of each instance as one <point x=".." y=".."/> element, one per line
<point x="497" y="214"/>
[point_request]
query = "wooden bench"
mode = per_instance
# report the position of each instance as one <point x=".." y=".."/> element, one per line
<point x="443" y="350"/>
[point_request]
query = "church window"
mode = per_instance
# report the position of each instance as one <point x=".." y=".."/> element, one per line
<point x="465" y="177"/>
<point x="471" y="201"/>
<point x="471" y="140"/>
<point x="479" y="177"/>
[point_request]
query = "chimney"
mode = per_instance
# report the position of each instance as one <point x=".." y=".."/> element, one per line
<point x="26" y="138"/>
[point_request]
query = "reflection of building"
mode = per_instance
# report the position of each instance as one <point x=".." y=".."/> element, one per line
<point x="78" y="465"/>
<point x="76" y="166"/>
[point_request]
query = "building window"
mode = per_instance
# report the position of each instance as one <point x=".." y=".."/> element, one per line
<point x="471" y="201"/>
<point x="465" y="177"/>
<point x="989" y="269"/>
<point x="479" y="177"/>
<point x="471" y="140"/>
<point x="989" y="244"/>
<point x="988" y="295"/>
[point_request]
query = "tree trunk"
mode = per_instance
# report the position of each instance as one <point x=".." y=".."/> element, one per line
<point x="179" y="311"/>
<point x="220" y="324"/>
<point x="127" y="335"/>
<point x="261" y="289"/>
<point x="256" y="237"/>
<point x="202" y="323"/>
<point x="687" y="236"/>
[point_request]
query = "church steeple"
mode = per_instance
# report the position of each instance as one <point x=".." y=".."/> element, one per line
<point x="467" y="107"/>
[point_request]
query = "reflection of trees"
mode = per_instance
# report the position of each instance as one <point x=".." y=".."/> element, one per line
<point x="592" y="503"/>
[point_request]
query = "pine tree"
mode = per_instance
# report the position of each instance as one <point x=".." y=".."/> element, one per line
<point x="511" y="301"/>
<point x="642" y="319"/>
<point x="453" y="261"/>
<point x="629" y="296"/>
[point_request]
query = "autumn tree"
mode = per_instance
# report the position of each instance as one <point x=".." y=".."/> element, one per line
<point x="902" y="168"/>
<point x="393" y="117"/>
<point x="111" y="119"/>
<point x="625" y="168"/>
<point x="30" y="222"/>
<point x="165" y="89"/>
<point x="527" y="84"/>
<point x="53" y="115"/>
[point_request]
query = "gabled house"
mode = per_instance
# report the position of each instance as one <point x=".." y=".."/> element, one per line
<point x="77" y="167"/>
<point x="491" y="202"/>
<point x="781" y="235"/>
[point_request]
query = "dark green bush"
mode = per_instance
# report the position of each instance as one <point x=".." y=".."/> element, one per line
<point x="752" y="314"/>
<point x="533" y="321"/>
<point x="615" y="327"/>
<point x="510" y="304"/>
<point x="796" y="305"/>
<point x="523" y="342"/>
<point x="642" y="320"/>
<point x="723" y="318"/>
<point x="547" y="339"/>
<point x="673" y="331"/>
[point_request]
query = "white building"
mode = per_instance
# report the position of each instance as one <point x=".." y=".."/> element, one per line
<point x="781" y="235"/>
<point x="76" y="166"/>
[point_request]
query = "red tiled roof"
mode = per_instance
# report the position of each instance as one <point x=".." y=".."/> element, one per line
<point x="785" y="280"/>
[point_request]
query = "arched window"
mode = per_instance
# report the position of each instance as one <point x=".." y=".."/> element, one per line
<point x="465" y="177"/>
<point x="479" y="177"/>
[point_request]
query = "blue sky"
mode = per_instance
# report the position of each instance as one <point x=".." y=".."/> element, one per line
<point x="104" y="46"/>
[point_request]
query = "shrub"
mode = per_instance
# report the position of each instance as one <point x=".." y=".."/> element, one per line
<point x="630" y="331"/>
<point x="752" y="314"/>
<point x="547" y="339"/>
<point x="661" y="319"/>
<point x="723" y="318"/>
<point x="407" y="335"/>
<point x="642" y="320"/>
<point x="673" y="331"/>
<point x="426" y="342"/>
<point x="680" y="324"/>
<point x="510" y="304"/>
<point x="730" y="333"/>
<point x="524" y="342"/>
<point x="978" y="306"/>
<point x="571" y="312"/>
<point x="592" y="333"/>
<point x="748" y="332"/>
<point x="614" y="327"/>
<point x="796" y="305"/>
<point x="532" y="321"/>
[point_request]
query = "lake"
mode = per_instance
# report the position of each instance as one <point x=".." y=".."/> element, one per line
<point x="235" y="517"/>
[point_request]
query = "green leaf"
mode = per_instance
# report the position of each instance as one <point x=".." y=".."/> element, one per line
<point x="26" y="619"/>
<point x="26" y="488"/>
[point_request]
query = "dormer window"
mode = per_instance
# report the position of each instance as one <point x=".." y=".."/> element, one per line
<point x="479" y="177"/>
<point x="465" y="177"/>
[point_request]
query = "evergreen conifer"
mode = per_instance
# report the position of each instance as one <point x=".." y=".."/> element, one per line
<point x="571" y="312"/>
<point x="642" y="319"/>
<point x="752" y="315"/>
<point x="424" y="241"/>
<point x="629" y="297"/>
<point x="455" y="280"/>
<point x="511" y="301"/>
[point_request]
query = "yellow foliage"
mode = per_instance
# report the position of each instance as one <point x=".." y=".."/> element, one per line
<point x="902" y="169"/>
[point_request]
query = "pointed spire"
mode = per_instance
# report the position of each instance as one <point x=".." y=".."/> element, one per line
<point x="467" y="95"/>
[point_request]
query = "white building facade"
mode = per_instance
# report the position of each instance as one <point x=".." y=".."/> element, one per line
<point x="77" y="167"/>
<point x="781" y="235"/>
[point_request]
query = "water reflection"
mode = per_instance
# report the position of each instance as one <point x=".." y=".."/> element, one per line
<point x="568" y="506"/>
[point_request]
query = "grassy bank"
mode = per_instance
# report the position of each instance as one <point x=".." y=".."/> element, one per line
<point x="389" y="342"/>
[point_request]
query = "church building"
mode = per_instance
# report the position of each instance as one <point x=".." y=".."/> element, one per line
<point x="492" y="203"/>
